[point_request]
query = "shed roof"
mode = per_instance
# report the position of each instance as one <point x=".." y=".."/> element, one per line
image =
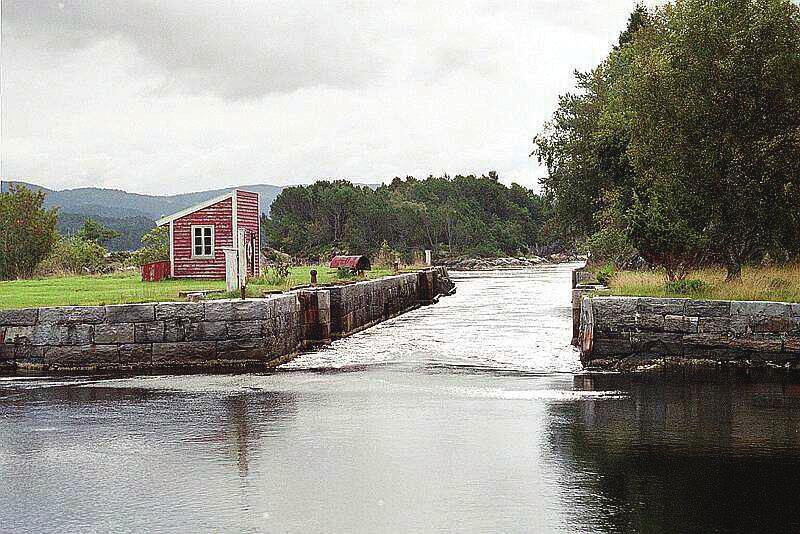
<point x="358" y="263"/>
<point x="210" y="202"/>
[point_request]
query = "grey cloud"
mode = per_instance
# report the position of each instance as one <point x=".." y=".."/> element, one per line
<point x="233" y="50"/>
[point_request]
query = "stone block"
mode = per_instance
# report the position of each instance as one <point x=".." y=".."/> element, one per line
<point x="114" y="333"/>
<point x="63" y="334"/>
<point x="661" y="306"/>
<point x="168" y="311"/>
<point x="794" y="307"/>
<point x="708" y="308"/>
<point x="769" y="309"/>
<point x="149" y="332"/>
<point x="606" y="322"/>
<point x="240" y="349"/>
<point x="206" y="331"/>
<point x="18" y="334"/>
<point x="772" y="323"/>
<point x="236" y="310"/>
<point x="73" y="314"/>
<point x="86" y="355"/>
<point x="650" y="322"/>
<point x="244" y="329"/>
<point x="130" y="313"/>
<point x="184" y="351"/>
<point x="757" y="343"/>
<point x="21" y="317"/>
<point x="708" y="340"/>
<point x="610" y="306"/>
<point x="175" y="330"/>
<point x="740" y="324"/>
<point x="136" y="353"/>
<point x="714" y="325"/>
<point x="658" y="343"/>
<point x="611" y="346"/>
<point x="791" y="344"/>
<point x="681" y="323"/>
<point x="29" y="354"/>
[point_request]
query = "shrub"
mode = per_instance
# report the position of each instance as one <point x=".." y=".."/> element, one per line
<point x="27" y="231"/>
<point x="605" y="273"/>
<point x="156" y="247"/>
<point x="685" y="286"/>
<point x="74" y="255"/>
<point x="276" y="275"/>
<point x="386" y="256"/>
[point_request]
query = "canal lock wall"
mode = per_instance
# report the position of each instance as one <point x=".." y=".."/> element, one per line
<point x="637" y="333"/>
<point x="208" y="334"/>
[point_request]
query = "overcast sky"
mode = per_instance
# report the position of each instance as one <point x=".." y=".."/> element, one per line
<point x="173" y="96"/>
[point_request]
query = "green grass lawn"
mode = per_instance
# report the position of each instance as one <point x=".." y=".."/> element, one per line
<point x="120" y="288"/>
<point x="777" y="283"/>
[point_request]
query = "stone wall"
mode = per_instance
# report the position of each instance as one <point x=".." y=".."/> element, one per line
<point x="619" y="330"/>
<point x="213" y="333"/>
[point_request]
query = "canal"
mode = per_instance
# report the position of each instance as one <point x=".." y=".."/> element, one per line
<point x="470" y="415"/>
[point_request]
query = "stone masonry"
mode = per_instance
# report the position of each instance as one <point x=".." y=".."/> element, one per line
<point x="612" y="328"/>
<point x="213" y="333"/>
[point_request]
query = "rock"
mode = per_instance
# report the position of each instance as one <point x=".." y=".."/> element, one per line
<point x="63" y="334"/>
<point x="180" y="310"/>
<point x="708" y="308"/>
<point x="771" y="309"/>
<point x="149" y="332"/>
<point x="21" y="317"/>
<point x="130" y="313"/>
<point x="184" y="352"/>
<point x="680" y="323"/>
<point x="73" y="314"/>
<point x="114" y="333"/>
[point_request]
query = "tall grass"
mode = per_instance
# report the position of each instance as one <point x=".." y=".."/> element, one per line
<point x="776" y="283"/>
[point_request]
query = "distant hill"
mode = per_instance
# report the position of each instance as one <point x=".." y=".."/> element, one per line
<point x="131" y="214"/>
<point x="96" y="201"/>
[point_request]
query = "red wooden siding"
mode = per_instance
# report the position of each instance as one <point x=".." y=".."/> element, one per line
<point x="248" y="213"/>
<point x="219" y="216"/>
<point x="155" y="271"/>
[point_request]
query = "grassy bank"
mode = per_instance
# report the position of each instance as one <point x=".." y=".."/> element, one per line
<point x="124" y="288"/>
<point x="779" y="283"/>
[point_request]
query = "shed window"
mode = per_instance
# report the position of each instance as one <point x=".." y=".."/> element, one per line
<point x="203" y="241"/>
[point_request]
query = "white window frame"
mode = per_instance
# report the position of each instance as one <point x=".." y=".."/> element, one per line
<point x="213" y="239"/>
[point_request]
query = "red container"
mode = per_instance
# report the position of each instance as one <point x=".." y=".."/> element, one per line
<point x="155" y="271"/>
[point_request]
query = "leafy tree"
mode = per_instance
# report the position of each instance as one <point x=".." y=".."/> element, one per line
<point x="97" y="232"/>
<point x="27" y="231"/>
<point x="713" y="98"/>
<point x="692" y="126"/>
<point x="461" y="215"/>
<point x="156" y="247"/>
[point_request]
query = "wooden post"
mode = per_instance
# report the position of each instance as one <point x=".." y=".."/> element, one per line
<point x="313" y="277"/>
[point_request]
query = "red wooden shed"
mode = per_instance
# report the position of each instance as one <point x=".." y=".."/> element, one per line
<point x="198" y="235"/>
<point x="356" y="263"/>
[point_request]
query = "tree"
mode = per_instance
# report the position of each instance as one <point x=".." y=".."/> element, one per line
<point x="156" y="246"/>
<point x="97" y="232"/>
<point x="27" y="231"/>
<point x="713" y="102"/>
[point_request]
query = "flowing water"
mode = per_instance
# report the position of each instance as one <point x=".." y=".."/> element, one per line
<point x="470" y="415"/>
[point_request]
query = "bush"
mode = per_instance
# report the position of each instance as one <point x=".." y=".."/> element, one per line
<point x="605" y="273"/>
<point x="685" y="286"/>
<point x="276" y="275"/>
<point x="74" y="255"/>
<point x="27" y="232"/>
<point x="386" y="256"/>
<point x="156" y="247"/>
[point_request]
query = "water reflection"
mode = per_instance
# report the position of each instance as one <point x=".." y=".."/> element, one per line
<point x="683" y="455"/>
